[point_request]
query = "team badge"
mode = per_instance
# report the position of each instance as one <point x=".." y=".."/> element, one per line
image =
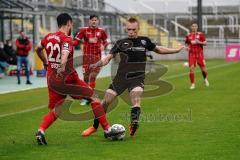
<point x="66" y="46"/>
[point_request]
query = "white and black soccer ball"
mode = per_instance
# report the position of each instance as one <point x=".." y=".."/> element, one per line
<point x="118" y="128"/>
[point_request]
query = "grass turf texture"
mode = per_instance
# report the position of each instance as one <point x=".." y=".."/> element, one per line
<point x="183" y="124"/>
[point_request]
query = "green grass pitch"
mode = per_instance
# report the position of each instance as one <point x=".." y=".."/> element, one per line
<point x="200" y="124"/>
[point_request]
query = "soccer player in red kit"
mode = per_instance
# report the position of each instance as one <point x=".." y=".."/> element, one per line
<point x="95" y="41"/>
<point x="59" y="49"/>
<point x="195" y="42"/>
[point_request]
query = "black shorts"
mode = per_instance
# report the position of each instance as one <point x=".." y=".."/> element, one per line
<point x="120" y="85"/>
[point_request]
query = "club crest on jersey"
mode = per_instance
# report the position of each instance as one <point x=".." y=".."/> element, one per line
<point x="98" y="33"/>
<point x="66" y="46"/>
<point x="143" y="42"/>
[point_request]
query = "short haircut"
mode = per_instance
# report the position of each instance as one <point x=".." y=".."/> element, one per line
<point x="93" y="16"/>
<point x="133" y="20"/>
<point x="194" y="22"/>
<point x="63" y="18"/>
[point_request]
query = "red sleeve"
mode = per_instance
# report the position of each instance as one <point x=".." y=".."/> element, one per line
<point x="104" y="38"/>
<point x="203" y="38"/>
<point x="29" y="46"/>
<point x="80" y="34"/>
<point x="75" y="42"/>
<point x="19" y="45"/>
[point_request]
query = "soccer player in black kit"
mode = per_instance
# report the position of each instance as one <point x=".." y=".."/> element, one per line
<point x="131" y="71"/>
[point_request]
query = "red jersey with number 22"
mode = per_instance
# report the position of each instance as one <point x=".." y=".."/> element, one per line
<point x="54" y="44"/>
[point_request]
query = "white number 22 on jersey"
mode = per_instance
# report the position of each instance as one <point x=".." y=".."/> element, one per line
<point x="53" y="48"/>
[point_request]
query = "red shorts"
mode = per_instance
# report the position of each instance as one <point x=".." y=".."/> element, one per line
<point x="91" y="59"/>
<point x="74" y="87"/>
<point x="196" y="58"/>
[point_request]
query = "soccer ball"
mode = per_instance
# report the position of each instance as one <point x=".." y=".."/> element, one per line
<point x="185" y="64"/>
<point x="118" y="128"/>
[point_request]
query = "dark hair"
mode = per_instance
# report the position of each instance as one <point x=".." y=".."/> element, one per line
<point x="63" y="18"/>
<point x="194" y="22"/>
<point x="93" y="16"/>
<point x="133" y="20"/>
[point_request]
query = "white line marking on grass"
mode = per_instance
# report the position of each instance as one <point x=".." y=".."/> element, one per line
<point x="168" y="77"/>
<point x="23" y="111"/>
<point x="208" y="68"/>
<point x="19" y="90"/>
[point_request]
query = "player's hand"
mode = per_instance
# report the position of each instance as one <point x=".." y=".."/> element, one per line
<point x="60" y="72"/>
<point x="180" y="47"/>
<point x="102" y="48"/>
<point x="193" y="42"/>
<point x="198" y="42"/>
<point x="92" y="66"/>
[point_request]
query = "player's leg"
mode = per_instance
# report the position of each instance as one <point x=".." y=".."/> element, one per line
<point x="19" y="66"/>
<point x="109" y="97"/>
<point x="191" y="76"/>
<point x="54" y="101"/>
<point x="27" y="70"/>
<point x="202" y="65"/>
<point x="96" y="105"/>
<point x="135" y="95"/>
<point x="93" y="77"/>
<point x="192" y="63"/>
<point x="86" y="78"/>
<point x="204" y="73"/>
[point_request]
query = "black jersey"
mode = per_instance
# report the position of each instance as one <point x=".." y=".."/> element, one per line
<point x="132" y="56"/>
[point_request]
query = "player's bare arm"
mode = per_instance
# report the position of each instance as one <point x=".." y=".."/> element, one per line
<point x="103" y="61"/>
<point x="165" y="50"/>
<point x="204" y="43"/>
<point x="42" y="56"/>
<point x="64" y="59"/>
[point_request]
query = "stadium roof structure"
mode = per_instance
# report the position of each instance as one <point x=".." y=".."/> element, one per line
<point x="17" y="7"/>
<point x="21" y="7"/>
<point x="26" y="9"/>
<point x="167" y="6"/>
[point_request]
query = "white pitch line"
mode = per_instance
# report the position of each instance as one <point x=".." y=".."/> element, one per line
<point x="20" y="90"/>
<point x="23" y="111"/>
<point x="208" y="68"/>
<point x="169" y="77"/>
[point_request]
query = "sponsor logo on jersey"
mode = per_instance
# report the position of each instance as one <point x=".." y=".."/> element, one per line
<point x="138" y="49"/>
<point x="98" y="33"/>
<point x="93" y="40"/>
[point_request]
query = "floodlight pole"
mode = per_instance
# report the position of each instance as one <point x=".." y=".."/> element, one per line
<point x="199" y="14"/>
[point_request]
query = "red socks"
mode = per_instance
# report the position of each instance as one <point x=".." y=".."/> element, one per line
<point x="191" y="76"/>
<point x="204" y="74"/>
<point x="99" y="113"/>
<point x="47" y="121"/>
